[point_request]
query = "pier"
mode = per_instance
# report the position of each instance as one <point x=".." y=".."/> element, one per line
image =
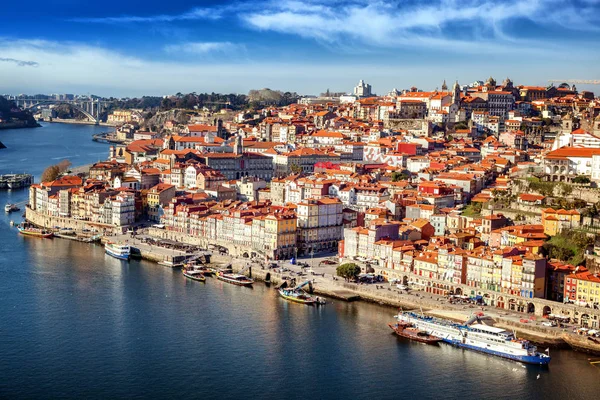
<point x="15" y="181"/>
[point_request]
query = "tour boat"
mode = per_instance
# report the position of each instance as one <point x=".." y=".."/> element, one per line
<point x="120" y="251"/>
<point x="30" y="231"/>
<point x="478" y="337"/>
<point x="412" y="333"/>
<point x="236" y="279"/>
<point x="10" y="208"/>
<point x="194" y="275"/>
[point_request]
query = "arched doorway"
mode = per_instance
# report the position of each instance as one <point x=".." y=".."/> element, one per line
<point x="458" y="291"/>
<point x="512" y="305"/>
<point x="546" y="311"/>
<point x="405" y="280"/>
<point x="245" y="255"/>
<point x="585" y="320"/>
<point x="530" y="308"/>
<point x="500" y="302"/>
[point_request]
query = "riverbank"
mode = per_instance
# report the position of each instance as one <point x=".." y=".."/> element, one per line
<point x="77" y="122"/>
<point x="19" y="125"/>
<point x="382" y="294"/>
<point x="430" y="305"/>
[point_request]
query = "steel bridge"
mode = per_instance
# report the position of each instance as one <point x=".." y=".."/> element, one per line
<point x="91" y="108"/>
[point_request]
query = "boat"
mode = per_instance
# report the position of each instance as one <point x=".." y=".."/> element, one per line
<point x="412" y="333"/>
<point x="120" y="251"/>
<point x="204" y="270"/>
<point x="10" y="208"/>
<point x="194" y="275"/>
<point x="236" y="279"/>
<point x="298" y="295"/>
<point x="477" y="336"/>
<point x="36" y="232"/>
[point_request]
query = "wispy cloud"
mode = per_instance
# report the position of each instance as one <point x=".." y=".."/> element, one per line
<point x="203" y="48"/>
<point x="453" y="25"/>
<point x="466" y="26"/>
<point x="193" y="14"/>
<point x="20" y="63"/>
<point x="71" y="67"/>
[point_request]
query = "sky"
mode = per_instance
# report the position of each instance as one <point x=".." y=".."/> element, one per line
<point x="132" y="48"/>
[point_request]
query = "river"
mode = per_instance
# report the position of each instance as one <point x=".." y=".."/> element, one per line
<point x="76" y="323"/>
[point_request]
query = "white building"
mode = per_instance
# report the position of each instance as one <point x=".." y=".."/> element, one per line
<point x="362" y="89"/>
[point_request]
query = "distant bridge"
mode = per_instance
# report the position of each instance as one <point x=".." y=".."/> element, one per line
<point x="91" y="108"/>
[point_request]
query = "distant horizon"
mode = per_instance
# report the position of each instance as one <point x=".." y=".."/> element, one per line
<point x="347" y="92"/>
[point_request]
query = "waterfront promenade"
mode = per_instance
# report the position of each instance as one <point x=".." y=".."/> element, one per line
<point x="327" y="284"/>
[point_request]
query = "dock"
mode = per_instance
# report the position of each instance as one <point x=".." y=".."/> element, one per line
<point x="15" y="181"/>
<point x="345" y="295"/>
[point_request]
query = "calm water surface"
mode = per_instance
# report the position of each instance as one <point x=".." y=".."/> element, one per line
<point x="75" y="323"/>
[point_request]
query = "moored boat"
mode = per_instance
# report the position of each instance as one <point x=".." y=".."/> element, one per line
<point x="203" y="269"/>
<point x="236" y="279"/>
<point x="412" y="333"/>
<point x="10" y="208"/>
<point x="298" y="295"/>
<point x="478" y="337"/>
<point x="194" y="275"/>
<point x="36" y="232"/>
<point x="120" y="251"/>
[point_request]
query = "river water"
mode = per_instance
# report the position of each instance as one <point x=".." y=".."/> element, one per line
<point x="76" y="323"/>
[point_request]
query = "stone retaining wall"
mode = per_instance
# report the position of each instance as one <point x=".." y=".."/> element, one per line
<point x="47" y="221"/>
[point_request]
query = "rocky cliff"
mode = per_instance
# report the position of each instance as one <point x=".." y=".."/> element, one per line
<point x="158" y="120"/>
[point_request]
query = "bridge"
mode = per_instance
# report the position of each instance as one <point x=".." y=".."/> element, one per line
<point x="91" y="108"/>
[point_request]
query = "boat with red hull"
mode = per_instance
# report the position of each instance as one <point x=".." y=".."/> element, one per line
<point x="410" y="332"/>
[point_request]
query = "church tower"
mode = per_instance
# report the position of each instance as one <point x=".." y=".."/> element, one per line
<point x="456" y="93"/>
<point x="444" y="86"/>
<point x="238" y="146"/>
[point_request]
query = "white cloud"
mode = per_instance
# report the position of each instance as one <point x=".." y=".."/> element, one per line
<point x="474" y="25"/>
<point x="193" y="14"/>
<point x="73" y="68"/>
<point x="203" y="48"/>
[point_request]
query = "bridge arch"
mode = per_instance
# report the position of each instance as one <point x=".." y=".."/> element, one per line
<point x="75" y="106"/>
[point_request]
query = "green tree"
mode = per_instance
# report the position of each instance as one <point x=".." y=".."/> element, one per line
<point x="348" y="270"/>
<point x="581" y="179"/>
<point x="566" y="189"/>
<point x="399" y="176"/>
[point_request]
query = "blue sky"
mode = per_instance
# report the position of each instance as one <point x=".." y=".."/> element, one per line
<point x="120" y="48"/>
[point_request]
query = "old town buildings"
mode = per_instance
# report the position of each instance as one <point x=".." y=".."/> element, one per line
<point x="428" y="187"/>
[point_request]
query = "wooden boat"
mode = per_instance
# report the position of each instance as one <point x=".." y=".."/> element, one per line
<point x="297" y="296"/>
<point x="194" y="275"/>
<point x="412" y="333"/>
<point x="29" y="231"/>
<point x="236" y="279"/>
<point x="204" y="270"/>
